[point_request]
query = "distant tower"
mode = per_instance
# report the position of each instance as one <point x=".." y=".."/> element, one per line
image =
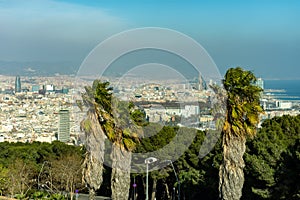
<point x="260" y="83"/>
<point x="200" y="83"/>
<point x="18" y="84"/>
<point x="64" y="126"/>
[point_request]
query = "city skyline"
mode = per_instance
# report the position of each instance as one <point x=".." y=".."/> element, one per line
<point x="261" y="36"/>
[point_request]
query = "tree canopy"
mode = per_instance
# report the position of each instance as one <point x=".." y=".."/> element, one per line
<point x="272" y="164"/>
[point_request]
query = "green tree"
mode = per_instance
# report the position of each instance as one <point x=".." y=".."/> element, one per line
<point x="287" y="175"/>
<point x="4" y="179"/>
<point x="156" y="137"/>
<point x="241" y="120"/>
<point x="26" y="167"/>
<point x="272" y="160"/>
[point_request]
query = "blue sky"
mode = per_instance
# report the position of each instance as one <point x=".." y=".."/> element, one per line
<point x="259" y="35"/>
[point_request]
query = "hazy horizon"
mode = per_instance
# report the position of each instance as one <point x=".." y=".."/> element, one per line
<point x="261" y="36"/>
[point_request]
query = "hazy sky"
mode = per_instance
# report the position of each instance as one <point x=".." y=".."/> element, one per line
<point x="259" y="35"/>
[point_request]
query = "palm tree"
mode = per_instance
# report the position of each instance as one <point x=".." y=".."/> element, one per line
<point x="218" y="104"/>
<point x="124" y="139"/>
<point x="109" y="117"/>
<point x="241" y="120"/>
<point x="94" y="134"/>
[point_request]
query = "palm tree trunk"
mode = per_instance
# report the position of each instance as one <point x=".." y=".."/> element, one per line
<point x="92" y="194"/>
<point x="231" y="171"/>
<point x="153" y="194"/>
<point x="120" y="176"/>
<point x="95" y="146"/>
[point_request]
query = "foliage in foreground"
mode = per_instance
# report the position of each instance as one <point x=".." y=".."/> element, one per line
<point x="273" y="160"/>
<point x="29" y="168"/>
<point x="272" y="167"/>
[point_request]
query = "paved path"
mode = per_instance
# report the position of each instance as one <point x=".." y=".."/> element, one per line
<point x="86" y="197"/>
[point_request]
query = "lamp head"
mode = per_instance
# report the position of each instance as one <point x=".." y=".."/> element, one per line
<point x="150" y="160"/>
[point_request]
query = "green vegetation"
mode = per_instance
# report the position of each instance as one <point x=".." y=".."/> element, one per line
<point x="40" y="170"/>
<point x="272" y="161"/>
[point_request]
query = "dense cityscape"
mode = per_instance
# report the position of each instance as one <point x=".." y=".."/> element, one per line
<point x="149" y="100"/>
<point x="44" y="108"/>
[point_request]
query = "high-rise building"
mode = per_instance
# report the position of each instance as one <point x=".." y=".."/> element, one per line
<point x="260" y="83"/>
<point x="35" y="88"/>
<point x="64" y="126"/>
<point x="200" y="83"/>
<point x="18" y="84"/>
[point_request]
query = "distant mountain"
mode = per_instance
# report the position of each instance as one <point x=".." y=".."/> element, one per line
<point x="37" y="68"/>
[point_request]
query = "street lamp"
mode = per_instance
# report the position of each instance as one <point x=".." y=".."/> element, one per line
<point x="147" y="162"/>
<point x="177" y="179"/>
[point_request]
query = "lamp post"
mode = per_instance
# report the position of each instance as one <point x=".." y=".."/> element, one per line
<point x="147" y="162"/>
<point x="177" y="179"/>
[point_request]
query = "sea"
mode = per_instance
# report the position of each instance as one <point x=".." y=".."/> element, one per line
<point x="288" y="90"/>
